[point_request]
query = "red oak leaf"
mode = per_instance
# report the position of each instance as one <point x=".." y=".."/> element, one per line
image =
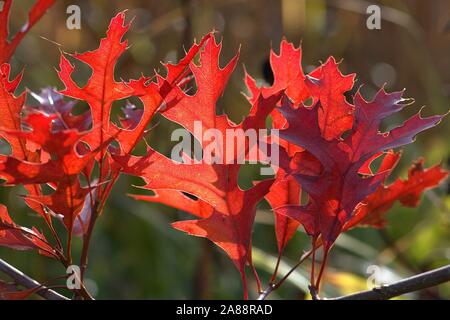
<point x="59" y="144"/>
<point x="178" y="200"/>
<point x="307" y="213"/>
<point x="326" y="84"/>
<point x="160" y="172"/>
<point x="176" y="73"/>
<point x="230" y="223"/>
<point x="9" y="86"/>
<point x="134" y="125"/>
<point x="9" y="291"/>
<point x="152" y="96"/>
<point x="288" y="74"/>
<point x="214" y="184"/>
<point x="8" y="46"/>
<point x="20" y="238"/>
<point x="59" y="168"/>
<point x="10" y="108"/>
<point x="211" y="80"/>
<point x="25" y="165"/>
<point x="67" y="200"/>
<point x="52" y="102"/>
<point x="284" y="191"/>
<point x="231" y="230"/>
<point x="373" y="209"/>
<point x="340" y="188"/>
<point x="101" y="90"/>
<point x="408" y="192"/>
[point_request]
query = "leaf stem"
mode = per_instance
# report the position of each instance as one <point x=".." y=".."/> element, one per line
<point x="273" y="286"/>
<point x="275" y="272"/>
<point x="322" y="269"/>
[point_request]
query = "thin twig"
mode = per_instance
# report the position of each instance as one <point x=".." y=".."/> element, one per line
<point x="87" y="239"/>
<point x="22" y="279"/>
<point x="273" y="286"/>
<point x="267" y="292"/>
<point x="418" y="282"/>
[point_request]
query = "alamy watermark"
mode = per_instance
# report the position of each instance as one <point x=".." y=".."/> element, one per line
<point x="73" y="277"/>
<point x="73" y="21"/>
<point x="373" y="21"/>
<point x="234" y="146"/>
<point x="378" y="277"/>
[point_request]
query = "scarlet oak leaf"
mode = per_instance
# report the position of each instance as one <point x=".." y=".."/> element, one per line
<point x="307" y="214"/>
<point x="177" y="73"/>
<point x="287" y="72"/>
<point x="52" y="102"/>
<point x="5" y="72"/>
<point x="335" y="193"/>
<point x="408" y="192"/>
<point x="328" y="85"/>
<point x="10" y="108"/>
<point x="233" y="209"/>
<point x="229" y="211"/>
<point x="231" y="223"/>
<point x="160" y="172"/>
<point x="20" y="238"/>
<point x="8" y="46"/>
<point x="135" y="123"/>
<point x="10" y="292"/>
<point x="325" y="83"/>
<point x="231" y="230"/>
<point x="153" y="96"/>
<point x="208" y="182"/>
<point x="60" y="167"/>
<point x="60" y="144"/>
<point x="284" y="191"/>
<point x="101" y="90"/>
<point x="67" y="200"/>
<point x="211" y="81"/>
<point x="178" y="200"/>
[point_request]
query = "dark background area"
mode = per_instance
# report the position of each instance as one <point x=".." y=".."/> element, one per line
<point x="135" y="254"/>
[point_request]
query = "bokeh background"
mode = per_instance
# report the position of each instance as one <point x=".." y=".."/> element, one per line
<point x="136" y="255"/>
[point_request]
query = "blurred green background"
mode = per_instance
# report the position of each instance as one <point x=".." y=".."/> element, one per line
<point x="136" y="255"/>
